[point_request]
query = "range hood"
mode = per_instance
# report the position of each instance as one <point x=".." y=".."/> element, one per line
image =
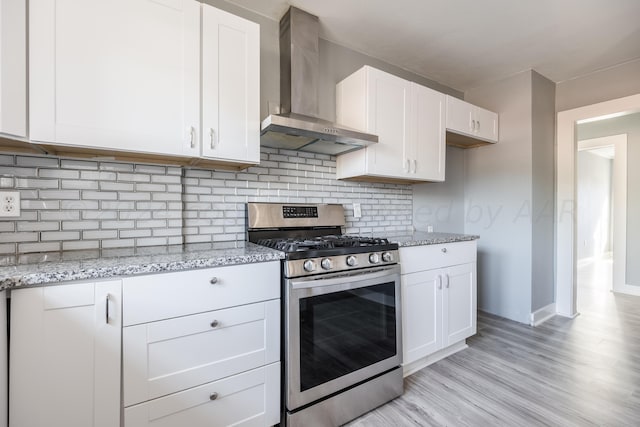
<point x="298" y="126"/>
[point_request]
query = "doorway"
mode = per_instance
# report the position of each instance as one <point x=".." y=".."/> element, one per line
<point x="566" y="250"/>
<point x="601" y="190"/>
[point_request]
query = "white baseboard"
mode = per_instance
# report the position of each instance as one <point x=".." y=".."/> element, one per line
<point x="415" y="366"/>
<point x="543" y="314"/>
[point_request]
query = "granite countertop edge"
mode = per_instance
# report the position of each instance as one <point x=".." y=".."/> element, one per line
<point x="114" y="266"/>
<point x="421" y="238"/>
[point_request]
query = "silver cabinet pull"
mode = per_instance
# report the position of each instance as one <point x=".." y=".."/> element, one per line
<point x="192" y="136"/>
<point x="212" y="137"/>
<point x="213" y="280"/>
<point x="478" y="125"/>
<point x="448" y="279"/>
<point x="215" y="324"/>
<point x="473" y="125"/>
<point x="106" y="309"/>
<point x="439" y="281"/>
<point x="415" y="165"/>
<point x="408" y="166"/>
<point x="213" y="396"/>
<point x="444" y="250"/>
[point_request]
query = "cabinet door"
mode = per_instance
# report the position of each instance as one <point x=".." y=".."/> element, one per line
<point x="248" y="399"/>
<point x="65" y="356"/>
<point x="230" y="87"/>
<point x="388" y="107"/>
<point x="421" y="314"/>
<point x="486" y="124"/>
<point x="117" y="75"/>
<point x="428" y="134"/>
<point x="459" y="115"/>
<point x="13" y="67"/>
<point x="168" y="356"/>
<point x="459" y="303"/>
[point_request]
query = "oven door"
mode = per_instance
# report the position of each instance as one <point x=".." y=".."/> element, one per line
<point x="341" y="329"/>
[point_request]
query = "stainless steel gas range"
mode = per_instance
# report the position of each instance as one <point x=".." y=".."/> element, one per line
<point x="342" y="346"/>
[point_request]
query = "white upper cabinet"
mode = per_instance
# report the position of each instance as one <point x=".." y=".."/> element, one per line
<point x="117" y="75"/>
<point x="230" y="87"/>
<point x="172" y="78"/>
<point x="429" y="149"/>
<point x="409" y="122"/>
<point x="472" y="122"/>
<point x="13" y="68"/>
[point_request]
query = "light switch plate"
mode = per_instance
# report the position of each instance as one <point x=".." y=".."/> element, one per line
<point x="9" y="204"/>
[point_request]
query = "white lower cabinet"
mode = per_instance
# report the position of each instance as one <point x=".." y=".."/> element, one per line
<point x="247" y="399"/>
<point x="438" y="299"/>
<point x="202" y="347"/>
<point x="65" y="356"/>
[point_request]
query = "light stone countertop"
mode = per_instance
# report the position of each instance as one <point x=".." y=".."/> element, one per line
<point x="421" y="238"/>
<point x="50" y="268"/>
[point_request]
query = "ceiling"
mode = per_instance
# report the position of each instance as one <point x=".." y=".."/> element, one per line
<point x="466" y="43"/>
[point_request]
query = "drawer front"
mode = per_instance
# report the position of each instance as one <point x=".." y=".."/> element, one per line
<point x="248" y="399"/>
<point x="420" y="258"/>
<point x="197" y="291"/>
<point x="168" y="356"/>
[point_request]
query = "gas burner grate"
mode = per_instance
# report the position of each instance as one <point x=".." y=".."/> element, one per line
<point x="321" y="242"/>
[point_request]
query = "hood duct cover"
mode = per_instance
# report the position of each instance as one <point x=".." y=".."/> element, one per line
<point x="298" y="128"/>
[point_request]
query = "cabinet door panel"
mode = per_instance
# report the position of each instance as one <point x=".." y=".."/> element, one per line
<point x="231" y="87"/>
<point x="120" y="74"/>
<point x="66" y="360"/>
<point x="429" y="138"/>
<point x="460" y="303"/>
<point x="13" y="67"/>
<point x="421" y="311"/>
<point x="388" y="111"/>
<point x="247" y="399"/>
<point x="172" y="355"/>
<point x="459" y="115"/>
<point x="486" y="124"/>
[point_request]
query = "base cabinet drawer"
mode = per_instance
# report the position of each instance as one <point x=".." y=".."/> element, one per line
<point x="248" y="399"/>
<point x="197" y="291"/>
<point x="168" y="356"/>
<point x="421" y="258"/>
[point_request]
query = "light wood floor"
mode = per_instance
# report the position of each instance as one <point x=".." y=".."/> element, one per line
<point x="566" y="372"/>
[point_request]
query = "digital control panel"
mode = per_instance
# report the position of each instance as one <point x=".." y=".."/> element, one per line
<point x="300" y="211"/>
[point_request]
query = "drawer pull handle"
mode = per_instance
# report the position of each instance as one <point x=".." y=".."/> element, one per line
<point x="215" y="324"/>
<point x="444" y="250"/>
<point x="213" y="396"/>
<point x="213" y="280"/>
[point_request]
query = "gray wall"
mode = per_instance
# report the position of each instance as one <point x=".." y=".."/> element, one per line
<point x="498" y="199"/>
<point x="615" y="82"/>
<point x="543" y="191"/>
<point x="441" y="204"/>
<point x="336" y="63"/>
<point x="631" y="126"/>
<point x="594" y="205"/>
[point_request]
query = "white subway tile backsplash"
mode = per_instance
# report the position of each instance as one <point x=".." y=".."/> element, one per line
<point x="104" y="204"/>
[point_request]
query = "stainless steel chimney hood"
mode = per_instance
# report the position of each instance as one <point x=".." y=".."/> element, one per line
<point x="298" y="127"/>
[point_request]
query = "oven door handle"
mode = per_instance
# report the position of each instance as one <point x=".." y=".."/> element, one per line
<point x="342" y="278"/>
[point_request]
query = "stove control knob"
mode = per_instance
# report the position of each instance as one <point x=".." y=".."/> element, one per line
<point x="352" y="261"/>
<point x="327" y="264"/>
<point x="309" y="265"/>
<point x="387" y="256"/>
<point x="374" y="258"/>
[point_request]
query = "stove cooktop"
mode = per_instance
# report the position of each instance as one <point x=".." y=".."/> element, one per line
<point x="322" y="242"/>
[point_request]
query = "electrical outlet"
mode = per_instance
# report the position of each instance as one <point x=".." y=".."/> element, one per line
<point x="357" y="210"/>
<point x="9" y="204"/>
<point x="429" y="228"/>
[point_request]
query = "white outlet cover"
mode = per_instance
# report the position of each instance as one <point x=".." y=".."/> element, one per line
<point x="9" y="204"/>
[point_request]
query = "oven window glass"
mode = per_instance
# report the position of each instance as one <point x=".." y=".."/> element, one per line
<point x="345" y="331"/>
